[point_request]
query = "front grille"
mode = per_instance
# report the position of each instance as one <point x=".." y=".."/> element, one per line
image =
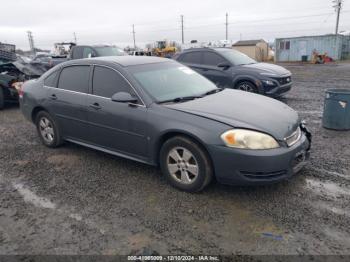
<point x="284" y="80"/>
<point x="264" y="175"/>
<point x="293" y="138"/>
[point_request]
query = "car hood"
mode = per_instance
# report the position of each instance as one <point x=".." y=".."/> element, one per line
<point x="241" y="109"/>
<point x="268" y="68"/>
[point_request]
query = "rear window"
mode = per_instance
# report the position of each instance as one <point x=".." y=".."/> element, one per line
<point x="75" y="78"/>
<point x="51" y="80"/>
<point x="192" y="58"/>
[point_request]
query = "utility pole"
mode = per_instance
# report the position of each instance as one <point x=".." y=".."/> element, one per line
<point x="337" y="6"/>
<point x="75" y="37"/>
<point x="226" y="26"/>
<point x="31" y="42"/>
<point x="182" y="30"/>
<point x="133" y="33"/>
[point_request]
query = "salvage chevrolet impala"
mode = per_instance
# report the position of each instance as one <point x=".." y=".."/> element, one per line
<point x="162" y="113"/>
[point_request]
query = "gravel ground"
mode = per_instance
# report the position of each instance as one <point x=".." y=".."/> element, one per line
<point x="74" y="200"/>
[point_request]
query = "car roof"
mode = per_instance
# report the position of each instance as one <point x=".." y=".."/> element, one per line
<point x="123" y="61"/>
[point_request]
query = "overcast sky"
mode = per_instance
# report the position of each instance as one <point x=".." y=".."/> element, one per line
<point x="110" y="21"/>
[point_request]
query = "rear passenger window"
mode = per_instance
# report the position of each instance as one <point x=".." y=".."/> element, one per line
<point x="210" y="58"/>
<point x="51" y="79"/>
<point x="192" y="58"/>
<point x="107" y="82"/>
<point x="75" y="78"/>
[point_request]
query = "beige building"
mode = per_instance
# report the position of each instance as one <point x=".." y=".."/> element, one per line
<point x="256" y="49"/>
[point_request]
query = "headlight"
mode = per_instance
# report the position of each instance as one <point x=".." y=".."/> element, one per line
<point x="269" y="82"/>
<point x="247" y="139"/>
<point x="268" y="74"/>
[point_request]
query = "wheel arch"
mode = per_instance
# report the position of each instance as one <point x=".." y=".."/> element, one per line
<point x="256" y="82"/>
<point x="173" y="133"/>
<point x="35" y="111"/>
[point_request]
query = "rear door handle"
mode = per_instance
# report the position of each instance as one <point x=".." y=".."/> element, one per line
<point x="53" y="97"/>
<point x="96" y="106"/>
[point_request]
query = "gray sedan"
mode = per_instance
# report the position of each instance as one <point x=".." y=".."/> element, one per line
<point x="159" y="112"/>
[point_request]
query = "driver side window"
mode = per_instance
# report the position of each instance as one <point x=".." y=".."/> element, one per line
<point x="106" y="82"/>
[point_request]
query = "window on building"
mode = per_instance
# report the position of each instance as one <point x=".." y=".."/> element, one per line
<point x="287" y="45"/>
<point x="281" y="45"/>
<point x="284" y="45"/>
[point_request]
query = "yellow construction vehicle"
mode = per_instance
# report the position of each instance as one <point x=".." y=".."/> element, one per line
<point x="164" y="48"/>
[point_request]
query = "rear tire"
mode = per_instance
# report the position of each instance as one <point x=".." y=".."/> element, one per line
<point x="247" y="86"/>
<point x="185" y="164"/>
<point x="48" y="130"/>
<point x="2" y="98"/>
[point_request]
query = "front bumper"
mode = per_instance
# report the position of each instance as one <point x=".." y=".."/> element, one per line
<point x="281" y="86"/>
<point x="258" y="167"/>
<point x="278" y="90"/>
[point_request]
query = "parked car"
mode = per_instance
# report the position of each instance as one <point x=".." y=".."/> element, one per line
<point x="159" y="112"/>
<point x="48" y="60"/>
<point x="229" y="68"/>
<point x="85" y="51"/>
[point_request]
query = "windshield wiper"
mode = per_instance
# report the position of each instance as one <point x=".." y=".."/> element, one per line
<point x="214" y="91"/>
<point x="179" y="99"/>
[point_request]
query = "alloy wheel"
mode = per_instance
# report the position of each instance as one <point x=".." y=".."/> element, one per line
<point x="246" y="87"/>
<point x="46" y="130"/>
<point x="182" y="165"/>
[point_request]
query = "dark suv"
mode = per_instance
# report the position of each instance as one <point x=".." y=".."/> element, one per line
<point x="228" y="68"/>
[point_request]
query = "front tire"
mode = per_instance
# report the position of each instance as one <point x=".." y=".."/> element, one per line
<point x="247" y="86"/>
<point x="48" y="130"/>
<point x="185" y="164"/>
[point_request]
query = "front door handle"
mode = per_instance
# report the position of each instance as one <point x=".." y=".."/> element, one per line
<point x="96" y="106"/>
<point x="53" y="97"/>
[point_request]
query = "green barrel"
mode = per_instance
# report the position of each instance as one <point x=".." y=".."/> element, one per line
<point x="336" y="114"/>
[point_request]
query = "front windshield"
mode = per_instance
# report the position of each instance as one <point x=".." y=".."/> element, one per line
<point x="109" y="51"/>
<point x="167" y="81"/>
<point x="236" y="57"/>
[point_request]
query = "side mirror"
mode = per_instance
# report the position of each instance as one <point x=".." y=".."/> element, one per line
<point x="224" y="65"/>
<point x="124" y="97"/>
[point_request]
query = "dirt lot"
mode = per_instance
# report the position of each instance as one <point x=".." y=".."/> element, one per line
<point x="74" y="200"/>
